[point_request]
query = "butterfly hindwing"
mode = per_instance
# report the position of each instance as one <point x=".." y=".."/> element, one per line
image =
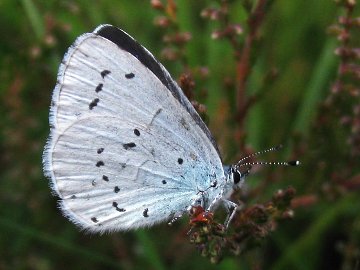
<point x="109" y="177"/>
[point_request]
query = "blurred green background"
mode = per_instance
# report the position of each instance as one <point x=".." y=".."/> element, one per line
<point x="302" y="100"/>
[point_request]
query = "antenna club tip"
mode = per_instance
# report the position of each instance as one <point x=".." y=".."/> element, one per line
<point x="294" y="163"/>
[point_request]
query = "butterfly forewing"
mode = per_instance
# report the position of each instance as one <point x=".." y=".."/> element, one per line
<point x="123" y="151"/>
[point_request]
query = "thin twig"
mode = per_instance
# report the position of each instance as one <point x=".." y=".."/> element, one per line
<point x="243" y="65"/>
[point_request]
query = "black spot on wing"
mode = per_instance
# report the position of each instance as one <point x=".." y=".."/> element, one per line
<point x="115" y="204"/>
<point x="136" y="132"/>
<point x="100" y="163"/>
<point x="116" y="189"/>
<point x="164" y="182"/>
<point x="129" y="145"/>
<point x="94" y="219"/>
<point x="99" y="87"/>
<point x="93" y="103"/>
<point x="104" y="73"/>
<point x="145" y="213"/>
<point x="180" y="161"/>
<point x="129" y="75"/>
<point x="100" y="150"/>
<point x="105" y="178"/>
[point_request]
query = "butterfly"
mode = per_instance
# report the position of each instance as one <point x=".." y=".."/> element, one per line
<point x="126" y="148"/>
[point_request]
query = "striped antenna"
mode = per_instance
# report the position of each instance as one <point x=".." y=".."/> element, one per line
<point x="241" y="162"/>
<point x="276" y="163"/>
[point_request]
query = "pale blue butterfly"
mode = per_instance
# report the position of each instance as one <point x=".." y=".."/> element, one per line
<point x="126" y="148"/>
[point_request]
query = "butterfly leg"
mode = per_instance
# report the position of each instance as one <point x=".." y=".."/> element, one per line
<point x="231" y="208"/>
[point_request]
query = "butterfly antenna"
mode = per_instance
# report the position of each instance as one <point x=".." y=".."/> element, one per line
<point x="276" y="163"/>
<point x="241" y="162"/>
<point x="272" y="149"/>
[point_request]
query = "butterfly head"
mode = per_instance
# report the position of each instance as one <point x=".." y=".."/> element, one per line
<point x="236" y="175"/>
<point x="237" y="172"/>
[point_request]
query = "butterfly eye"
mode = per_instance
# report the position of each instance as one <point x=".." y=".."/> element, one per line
<point x="236" y="177"/>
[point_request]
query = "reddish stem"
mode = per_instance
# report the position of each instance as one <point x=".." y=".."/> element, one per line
<point x="243" y="64"/>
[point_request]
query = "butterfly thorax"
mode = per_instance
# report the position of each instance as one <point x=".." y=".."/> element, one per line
<point x="234" y="179"/>
<point x="219" y="189"/>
